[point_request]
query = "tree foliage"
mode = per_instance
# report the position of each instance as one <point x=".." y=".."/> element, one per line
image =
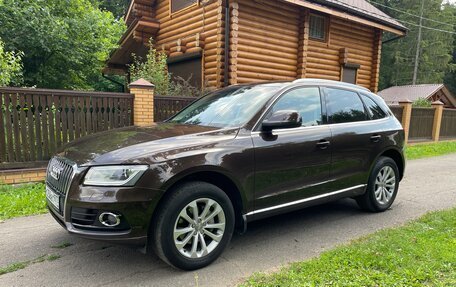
<point x="10" y="66"/>
<point x="422" y="103"/>
<point x="65" y="43"/>
<point x="398" y="57"/>
<point x="117" y="7"/>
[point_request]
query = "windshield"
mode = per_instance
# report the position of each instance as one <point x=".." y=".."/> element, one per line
<point x="231" y="107"/>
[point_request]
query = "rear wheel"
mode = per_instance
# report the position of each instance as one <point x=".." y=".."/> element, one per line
<point x="382" y="186"/>
<point x="193" y="226"/>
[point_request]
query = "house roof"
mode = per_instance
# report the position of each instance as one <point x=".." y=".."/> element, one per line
<point x="364" y="7"/>
<point x="359" y="8"/>
<point x="394" y="95"/>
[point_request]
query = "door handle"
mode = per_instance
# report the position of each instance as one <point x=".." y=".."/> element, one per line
<point x="375" y="138"/>
<point x="323" y="144"/>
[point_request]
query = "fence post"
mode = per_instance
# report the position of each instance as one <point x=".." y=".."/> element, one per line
<point x="143" y="103"/>
<point x="406" y="116"/>
<point x="438" y="112"/>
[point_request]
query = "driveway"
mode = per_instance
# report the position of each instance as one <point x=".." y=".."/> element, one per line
<point x="429" y="184"/>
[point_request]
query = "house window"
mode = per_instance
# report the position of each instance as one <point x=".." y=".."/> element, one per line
<point x="187" y="68"/>
<point x="349" y="73"/>
<point x="177" y="5"/>
<point x="318" y="27"/>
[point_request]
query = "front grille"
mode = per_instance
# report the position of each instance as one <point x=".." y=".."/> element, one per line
<point x="59" y="174"/>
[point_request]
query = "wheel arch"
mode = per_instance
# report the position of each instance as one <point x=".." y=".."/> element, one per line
<point x="215" y="177"/>
<point x="395" y="155"/>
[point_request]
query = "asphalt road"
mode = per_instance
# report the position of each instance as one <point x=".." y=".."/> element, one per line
<point x="429" y="184"/>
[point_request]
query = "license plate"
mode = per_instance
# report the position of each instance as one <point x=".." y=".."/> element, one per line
<point x="53" y="198"/>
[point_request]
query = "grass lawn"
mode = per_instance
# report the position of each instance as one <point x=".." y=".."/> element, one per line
<point x="415" y="151"/>
<point x="421" y="253"/>
<point x="22" y="200"/>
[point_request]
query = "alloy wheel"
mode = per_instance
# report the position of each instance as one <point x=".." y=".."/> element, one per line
<point x="199" y="228"/>
<point x="385" y="184"/>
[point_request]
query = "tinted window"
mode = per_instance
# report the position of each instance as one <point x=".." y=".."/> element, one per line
<point x="177" y="5"/>
<point x="317" y="29"/>
<point x="188" y="70"/>
<point x="344" y="106"/>
<point x="349" y="75"/>
<point x="373" y="108"/>
<point x="304" y="100"/>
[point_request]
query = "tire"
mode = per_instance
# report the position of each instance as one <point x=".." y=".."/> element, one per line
<point x="175" y="216"/>
<point x="380" y="192"/>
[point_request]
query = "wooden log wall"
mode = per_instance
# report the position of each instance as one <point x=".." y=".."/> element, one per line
<point x="140" y="8"/>
<point x="264" y="41"/>
<point x="269" y="40"/>
<point x="198" y="27"/>
<point x="323" y="59"/>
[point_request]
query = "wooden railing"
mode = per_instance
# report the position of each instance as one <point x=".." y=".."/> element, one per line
<point x="166" y="107"/>
<point x="36" y="122"/>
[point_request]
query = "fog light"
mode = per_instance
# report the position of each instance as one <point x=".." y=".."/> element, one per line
<point x="109" y="219"/>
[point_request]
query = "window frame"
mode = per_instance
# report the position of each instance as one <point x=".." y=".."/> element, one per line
<point x="325" y="88"/>
<point x="171" y="13"/>
<point x="257" y="126"/>
<point x="326" y="28"/>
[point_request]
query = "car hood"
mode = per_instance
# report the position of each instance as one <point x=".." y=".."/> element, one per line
<point x="140" y="144"/>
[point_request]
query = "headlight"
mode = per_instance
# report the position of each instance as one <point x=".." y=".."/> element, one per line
<point x="114" y="175"/>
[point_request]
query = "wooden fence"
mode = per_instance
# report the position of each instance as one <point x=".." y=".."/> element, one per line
<point x="421" y="124"/>
<point x="36" y="122"/>
<point x="166" y="107"/>
<point x="448" y="128"/>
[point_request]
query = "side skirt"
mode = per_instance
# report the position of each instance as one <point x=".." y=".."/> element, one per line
<point x="305" y="202"/>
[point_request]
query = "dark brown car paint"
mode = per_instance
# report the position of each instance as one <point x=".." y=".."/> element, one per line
<point x="268" y="169"/>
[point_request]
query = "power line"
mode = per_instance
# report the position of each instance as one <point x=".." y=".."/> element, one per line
<point x="429" y="28"/>
<point x="413" y="24"/>
<point x="408" y="13"/>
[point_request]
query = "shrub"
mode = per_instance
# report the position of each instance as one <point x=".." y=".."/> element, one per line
<point x="422" y="103"/>
<point x="155" y="70"/>
<point x="10" y="67"/>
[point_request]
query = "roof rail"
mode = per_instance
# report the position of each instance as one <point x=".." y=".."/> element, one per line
<point x="313" y="81"/>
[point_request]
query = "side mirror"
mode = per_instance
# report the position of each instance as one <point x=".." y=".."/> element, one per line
<point x="283" y="119"/>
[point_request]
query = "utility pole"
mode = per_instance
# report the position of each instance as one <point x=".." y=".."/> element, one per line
<point x="418" y="45"/>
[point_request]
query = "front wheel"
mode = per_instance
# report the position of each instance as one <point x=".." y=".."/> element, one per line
<point x="382" y="186"/>
<point x="193" y="226"/>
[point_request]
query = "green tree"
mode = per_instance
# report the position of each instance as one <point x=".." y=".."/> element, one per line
<point x="65" y="43"/>
<point x="117" y="7"/>
<point x="450" y="77"/>
<point x="10" y="67"/>
<point x="398" y="57"/>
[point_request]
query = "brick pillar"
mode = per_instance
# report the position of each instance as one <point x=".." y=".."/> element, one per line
<point x="143" y="104"/>
<point x="438" y="112"/>
<point x="406" y="116"/>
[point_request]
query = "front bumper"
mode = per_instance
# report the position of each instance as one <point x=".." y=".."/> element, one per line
<point x="81" y="206"/>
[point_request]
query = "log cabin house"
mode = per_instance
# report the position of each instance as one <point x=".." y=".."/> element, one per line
<point x="224" y="42"/>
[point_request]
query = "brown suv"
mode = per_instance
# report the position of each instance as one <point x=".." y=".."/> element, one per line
<point x="242" y="153"/>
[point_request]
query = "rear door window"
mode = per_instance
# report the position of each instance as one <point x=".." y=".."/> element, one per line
<point x="344" y="106"/>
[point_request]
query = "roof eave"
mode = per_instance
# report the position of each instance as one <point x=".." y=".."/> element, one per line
<point x="350" y="14"/>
